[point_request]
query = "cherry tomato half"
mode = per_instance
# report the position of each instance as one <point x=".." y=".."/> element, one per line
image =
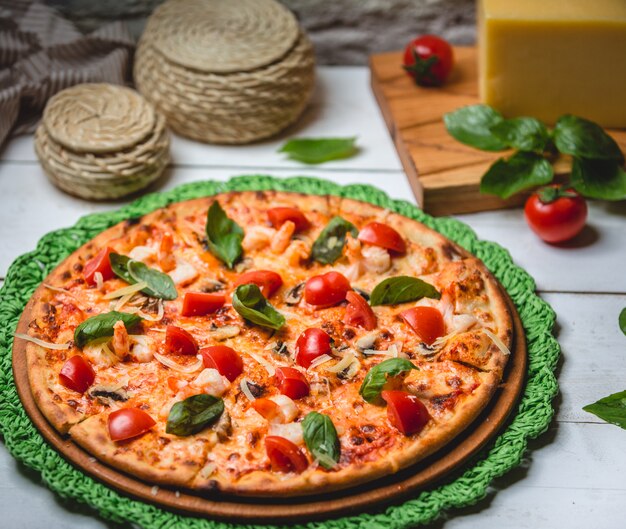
<point x="379" y="234"/>
<point x="223" y="358"/>
<point x="278" y="216"/>
<point x="285" y="456"/>
<point x="178" y="341"/>
<point x="556" y="214"/>
<point x="326" y="290"/>
<point x="406" y="412"/>
<point x="311" y="343"/>
<point x="267" y="280"/>
<point x="358" y="312"/>
<point x="77" y="374"/>
<point x="428" y="60"/>
<point x="427" y="322"/>
<point x="201" y="303"/>
<point x="292" y="382"/>
<point x="128" y="422"/>
<point x="99" y="263"/>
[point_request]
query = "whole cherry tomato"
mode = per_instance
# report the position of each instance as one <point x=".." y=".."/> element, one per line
<point x="179" y="341"/>
<point x="285" y="456"/>
<point x="428" y="59"/>
<point x="278" y="216"/>
<point x="406" y="412"/>
<point x="427" y="322"/>
<point x="99" y="263"/>
<point x="311" y="343"/>
<point x="358" y="312"/>
<point x="556" y="213"/>
<point x="223" y="358"/>
<point x="128" y="422"/>
<point x="380" y="234"/>
<point x="77" y="374"/>
<point x="326" y="290"/>
<point x="201" y="303"/>
<point x="267" y="281"/>
<point x="292" y="382"/>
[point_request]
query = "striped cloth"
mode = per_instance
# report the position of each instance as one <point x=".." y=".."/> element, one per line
<point x="42" y="53"/>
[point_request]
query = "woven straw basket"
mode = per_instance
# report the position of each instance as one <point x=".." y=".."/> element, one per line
<point x="228" y="72"/>
<point x="101" y="141"/>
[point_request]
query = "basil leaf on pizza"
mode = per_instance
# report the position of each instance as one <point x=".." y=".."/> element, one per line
<point x="252" y="306"/>
<point x="119" y="265"/>
<point x="377" y="376"/>
<point x="402" y="289"/>
<point x="160" y="285"/>
<point x="101" y="326"/>
<point x="320" y="437"/>
<point x="224" y="235"/>
<point x="193" y="414"/>
<point x="329" y="244"/>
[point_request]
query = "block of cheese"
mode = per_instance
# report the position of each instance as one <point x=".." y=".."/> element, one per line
<point x="545" y="58"/>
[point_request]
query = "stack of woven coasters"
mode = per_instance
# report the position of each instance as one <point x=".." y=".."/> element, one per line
<point x="101" y="141"/>
<point x="221" y="71"/>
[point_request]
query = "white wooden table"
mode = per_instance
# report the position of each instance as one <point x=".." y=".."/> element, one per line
<point x="574" y="473"/>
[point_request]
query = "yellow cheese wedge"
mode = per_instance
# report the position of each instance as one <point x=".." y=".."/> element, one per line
<point x="545" y="58"/>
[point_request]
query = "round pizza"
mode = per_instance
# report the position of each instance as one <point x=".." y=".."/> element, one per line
<point x="266" y="342"/>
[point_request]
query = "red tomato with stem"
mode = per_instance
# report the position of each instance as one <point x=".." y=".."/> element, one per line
<point x="268" y="281"/>
<point x="428" y="60"/>
<point x="427" y="322"/>
<point x="292" y="382"/>
<point x="379" y="234"/>
<point x="201" y="303"/>
<point x="311" y="343"/>
<point x="77" y="374"/>
<point x="99" y="263"/>
<point x="326" y="290"/>
<point x="358" y="312"/>
<point x="285" y="456"/>
<point x="405" y="411"/>
<point x="278" y="216"/>
<point x="128" y="423"/>
<point x="556" y="213"/>
<point x="223" y="358"/>
<point x="178" y="341"/>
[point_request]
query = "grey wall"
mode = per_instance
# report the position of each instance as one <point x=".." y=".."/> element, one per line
<point x="344" y="31"/>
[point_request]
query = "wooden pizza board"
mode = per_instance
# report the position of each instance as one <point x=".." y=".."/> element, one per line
<point x="444" y="174"/>
<point x="365" y="498"/>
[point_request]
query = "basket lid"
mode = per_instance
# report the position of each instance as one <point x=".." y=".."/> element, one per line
<point x="98" y="117"/>
<point x="222" y="36"/>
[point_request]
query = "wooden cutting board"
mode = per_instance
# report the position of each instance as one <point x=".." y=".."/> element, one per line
<point x="444" y="174"/>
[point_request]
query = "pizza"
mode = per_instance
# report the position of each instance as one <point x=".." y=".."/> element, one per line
<point x="262" y="343"/>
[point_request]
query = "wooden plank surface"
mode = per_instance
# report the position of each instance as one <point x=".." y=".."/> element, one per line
<point x="444" y="174"/>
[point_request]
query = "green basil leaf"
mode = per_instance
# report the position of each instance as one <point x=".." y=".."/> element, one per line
<point x="601" y="179"/>
<point x="314" y="151"/>
<point x="472" y="126"/>
<point x="224" y="235"/>
<point x="622" y="320"/>
<point x="521" y="171"/>
<point x="160" y="285"/>
<point x="252" y="306"/>
<point x="585" y="139"/>
<point x="193" y="414"/>
<point x="610" y="409"/>
<point x="101" y="326"/>
<point x="401" y="289"/>
<point x="320" y="437"/>
<point x="119" y="265"/>
<point x="377" y="376"/>
<point x="329" y="244"/>
<point x="524" y="134"/>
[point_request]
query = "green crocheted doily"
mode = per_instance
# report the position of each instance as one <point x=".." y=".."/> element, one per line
<point x="502" y="454"/>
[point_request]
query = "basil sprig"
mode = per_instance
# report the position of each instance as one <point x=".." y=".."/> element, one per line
<point x="402" y="289"/>
<point x="319" y="150"/>
<point x="320" y="437"/>
<point x="101" y="326"/>
<point x="523" y="134"/>
<point x="224" y="235"/>
<point x="610" y="409"/>
<point x="159" y="285"/>
<point x="376" y="377"/>
<point x="193" y="414"/>
<point x="329" y="244"/>
<point x="252" y="306"/>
